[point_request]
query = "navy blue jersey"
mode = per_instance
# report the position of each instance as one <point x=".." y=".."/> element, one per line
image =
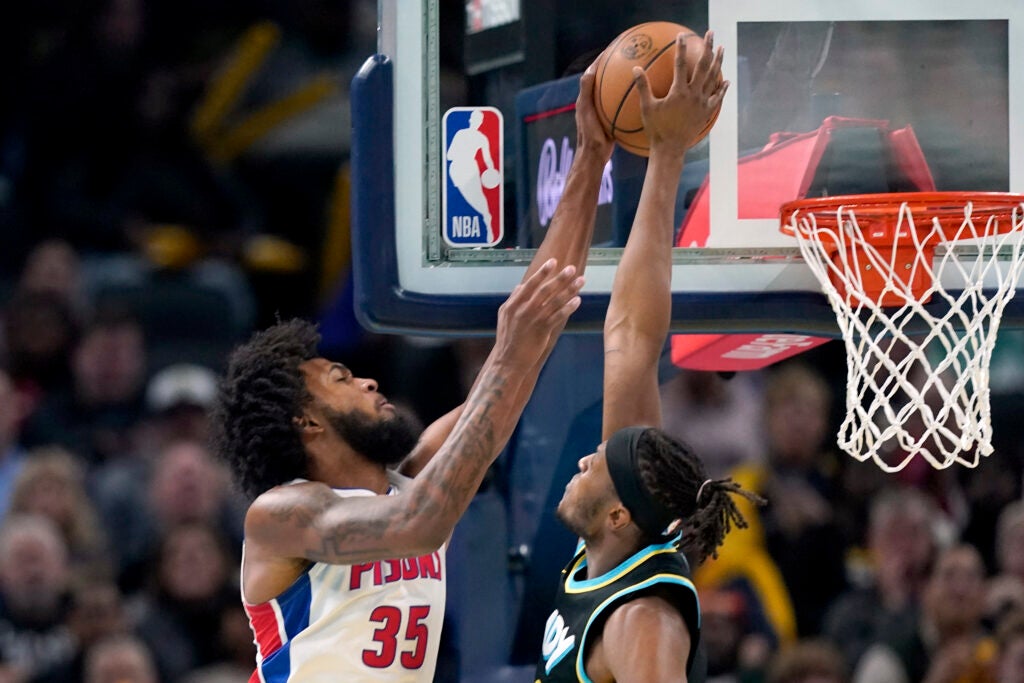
<point x="583" y="605"/>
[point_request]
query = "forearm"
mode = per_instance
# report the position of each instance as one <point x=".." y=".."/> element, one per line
<point x="640" y="309"/>
<point x="641" y="299"/>
<point x="572" y="226"/>
<point x="446" y="486"/>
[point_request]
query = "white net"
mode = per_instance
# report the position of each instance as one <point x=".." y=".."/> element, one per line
<point x="919" y="330"/>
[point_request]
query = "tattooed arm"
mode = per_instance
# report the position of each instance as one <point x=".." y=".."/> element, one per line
<point x="568" y="238"/>
<point x="293" y="525"/>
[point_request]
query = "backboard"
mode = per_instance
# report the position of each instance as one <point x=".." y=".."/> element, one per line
<point x="828" y="97"/>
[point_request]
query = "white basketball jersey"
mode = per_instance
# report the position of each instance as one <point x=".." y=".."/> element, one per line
<point x="375" y="621"/>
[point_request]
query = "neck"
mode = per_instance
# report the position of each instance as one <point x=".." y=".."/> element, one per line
<point x="606" y="554"/>
<point x="340" y="467"/>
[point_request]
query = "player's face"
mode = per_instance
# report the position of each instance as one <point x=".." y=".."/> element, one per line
<point x="358" y="413"/>
<point x="587" y="495"/>
<point x="333" y="385"/>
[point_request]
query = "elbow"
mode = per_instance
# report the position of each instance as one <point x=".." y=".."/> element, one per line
<point x="625" y="334"/>
<point x="427" y="536"/>
<point x="425" y="545"/>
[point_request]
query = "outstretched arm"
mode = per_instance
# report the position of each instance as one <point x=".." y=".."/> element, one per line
<point x="307" y="522"/>
<point x="639" y="313"/>
<point x="568" y="238"/>
<point x="572" y="226"/>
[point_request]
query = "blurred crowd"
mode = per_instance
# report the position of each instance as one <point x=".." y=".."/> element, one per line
<point x="172" y="176"/>
<point x="851" y="574"/>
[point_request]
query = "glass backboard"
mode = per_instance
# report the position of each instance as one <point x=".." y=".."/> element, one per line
<point x="828" y="97"/>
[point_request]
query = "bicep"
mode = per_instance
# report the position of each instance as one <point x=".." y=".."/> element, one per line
<point x="646" y="640"/>
<point x="310" y="522"/>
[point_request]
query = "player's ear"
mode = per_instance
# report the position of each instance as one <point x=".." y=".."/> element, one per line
<point x="619" y="517"/>
<point x="307" y="425"/>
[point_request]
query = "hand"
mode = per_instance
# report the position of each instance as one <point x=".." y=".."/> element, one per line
<point x="590" y="134"/>
<point x="673" y="122"/>
<point x="535" y="313"/>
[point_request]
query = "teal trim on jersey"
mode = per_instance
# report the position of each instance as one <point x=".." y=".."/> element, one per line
<point x="572" y="585"/>
<point x="581" y="674"/>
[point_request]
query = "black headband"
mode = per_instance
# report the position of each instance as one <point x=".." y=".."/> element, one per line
<point x="621" y="455"/>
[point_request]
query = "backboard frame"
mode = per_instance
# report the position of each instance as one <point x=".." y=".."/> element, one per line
<point x="402" y="284"/>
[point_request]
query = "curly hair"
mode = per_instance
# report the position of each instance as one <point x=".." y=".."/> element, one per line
<point x="262" y="392"/>
<point x="676" y="478"/>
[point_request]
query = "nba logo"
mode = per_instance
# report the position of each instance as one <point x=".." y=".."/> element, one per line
<point x="473" y="194"/>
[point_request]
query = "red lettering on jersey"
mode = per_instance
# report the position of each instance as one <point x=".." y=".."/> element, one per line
<point x="394" y="571"/>
<point x="430" y="566"/>
<point x="425" y="566"/>
<point x="410" y="569"/>
<point x="355" y="581"/>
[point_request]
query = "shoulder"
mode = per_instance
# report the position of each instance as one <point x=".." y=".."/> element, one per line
<point x="296" y="503"/>
<point x="652" y="610"/>
<point x="662" y="629"/>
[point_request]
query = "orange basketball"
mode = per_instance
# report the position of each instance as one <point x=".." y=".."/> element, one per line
<point x="652" y="47"/>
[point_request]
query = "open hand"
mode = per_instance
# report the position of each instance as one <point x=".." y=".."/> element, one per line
<point x="674" y="121"/>
<point x="536" y="312"/>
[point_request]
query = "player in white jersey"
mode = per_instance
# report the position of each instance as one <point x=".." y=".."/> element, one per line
<point x="341" y="581"/>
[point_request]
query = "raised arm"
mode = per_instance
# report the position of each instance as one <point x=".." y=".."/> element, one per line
<point x="568" y="238"/>
<point x="639" y="313"/>
<point x="572" y="226"/>
<point x="308" y="522"/>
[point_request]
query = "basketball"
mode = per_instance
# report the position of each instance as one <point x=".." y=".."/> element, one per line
<point x="649" y="46"/>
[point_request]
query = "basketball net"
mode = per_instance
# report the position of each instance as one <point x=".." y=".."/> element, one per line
<point x="919" y="317"/>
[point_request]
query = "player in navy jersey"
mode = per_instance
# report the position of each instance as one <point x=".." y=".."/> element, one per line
<point x="626" y="609"/>
<point x="343" y="568"/>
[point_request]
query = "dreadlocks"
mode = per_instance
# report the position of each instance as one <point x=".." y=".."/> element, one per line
<point x="676" y="478"/>
<point x="261" y="394"/>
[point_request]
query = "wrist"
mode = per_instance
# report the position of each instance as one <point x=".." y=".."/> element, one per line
<point x="589" y="152"/>
<point x="667" y="161"/>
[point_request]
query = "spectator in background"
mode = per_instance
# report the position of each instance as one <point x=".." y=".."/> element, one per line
<point x="719" y="417"/>
<point x="40" y="332"/>
<point x="12" y="455"/>
<point x="96" y="612"/>
<point x="175" y="413"/>
<point x="1005" y="590"/>
<point x="809" y="661"/>
<point x="96" y="417"/>
<point x="1009" y="667"/>
<point x="34" y="580"/>
<point x="947" y="643"/>
<point x="140" y="500"/>
<point x="53" y="266"/>
<point x="44" y="316"/>
<point x="194" y="586"/>
<point x="735" y="651"/>
<point x="120" y="659"/>
<point x="52" y="484"/>
<point x="795" y="536"/>
<point x="177" y="400"/>
<point x="901" y="549"/>
<point x="799" y="480"/>
<point x="189" y="485"/>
